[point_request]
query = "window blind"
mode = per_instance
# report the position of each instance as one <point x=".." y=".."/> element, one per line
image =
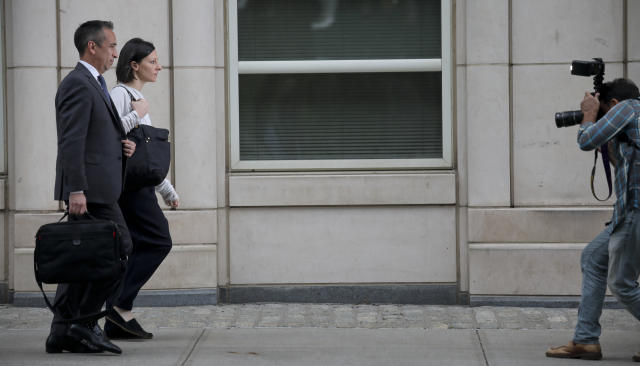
<point x="340" y="116"/>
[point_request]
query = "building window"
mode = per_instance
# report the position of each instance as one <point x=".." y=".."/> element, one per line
<point x="329" y="84"/>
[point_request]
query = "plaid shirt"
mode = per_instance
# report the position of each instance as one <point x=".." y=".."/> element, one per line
<point x="621" y="119"/>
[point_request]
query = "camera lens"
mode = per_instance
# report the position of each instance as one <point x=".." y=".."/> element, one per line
<point x="568" y="118"/>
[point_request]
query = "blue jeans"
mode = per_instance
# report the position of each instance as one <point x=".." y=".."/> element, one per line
<point x="612" y="257"/>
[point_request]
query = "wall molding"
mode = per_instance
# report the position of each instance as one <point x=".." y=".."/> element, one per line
<point x="422" y="294"/>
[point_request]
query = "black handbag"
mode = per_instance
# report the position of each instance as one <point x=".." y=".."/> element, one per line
<point x="149" y="164"/>
<point x="78" y="251"/>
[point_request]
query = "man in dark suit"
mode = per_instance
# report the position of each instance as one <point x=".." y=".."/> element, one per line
<point x="92" y="150"/>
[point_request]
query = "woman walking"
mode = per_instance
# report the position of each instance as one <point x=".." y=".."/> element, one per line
<point x="137" y="65"/>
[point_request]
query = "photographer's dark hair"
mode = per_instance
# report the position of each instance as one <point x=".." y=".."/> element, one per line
<point x="90" y="31"/>
<point x="620" y="89"/>
<point x="134" y="50"/>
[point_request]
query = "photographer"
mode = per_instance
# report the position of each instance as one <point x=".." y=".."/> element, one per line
<point x="613" y="257"/>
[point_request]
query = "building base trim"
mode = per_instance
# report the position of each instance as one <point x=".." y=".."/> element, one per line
<point x="146" y="298"/>
<point x="351" y="294"/>
<point x="537" y="301"/>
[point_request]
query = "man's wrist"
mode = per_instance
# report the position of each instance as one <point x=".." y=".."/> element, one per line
<point x="587" y="120"/>
<point x="589" y="117"/>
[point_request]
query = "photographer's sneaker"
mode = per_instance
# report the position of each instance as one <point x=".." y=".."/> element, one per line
<point x="576" y="350"/>
<point x="636" y="357"/>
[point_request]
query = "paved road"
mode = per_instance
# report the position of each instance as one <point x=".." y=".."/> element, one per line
<point x="310" y="334"/>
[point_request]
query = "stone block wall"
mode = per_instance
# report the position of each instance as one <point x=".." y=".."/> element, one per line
<point x="508" y="218"/>
<point x="530" y="210"/>
<point x="188" y="36"/>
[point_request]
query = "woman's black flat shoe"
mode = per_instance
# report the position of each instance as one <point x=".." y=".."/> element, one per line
<point x="117" y="328"/>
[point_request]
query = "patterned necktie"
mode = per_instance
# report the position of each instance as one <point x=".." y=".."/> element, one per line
<point x="103" y="84"/>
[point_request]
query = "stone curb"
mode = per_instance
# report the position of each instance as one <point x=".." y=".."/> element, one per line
<point x="340" y="316"/>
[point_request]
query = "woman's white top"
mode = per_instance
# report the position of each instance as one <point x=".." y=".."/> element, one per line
<point x="122" y="101"/>
<point x="130" y="120"/>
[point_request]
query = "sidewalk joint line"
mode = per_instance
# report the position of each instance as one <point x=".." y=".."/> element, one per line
<point x="186" y="359"/>
<point x="484" y="354"/>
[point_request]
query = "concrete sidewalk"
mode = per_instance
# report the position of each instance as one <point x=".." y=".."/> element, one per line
<point x="267" y="334"/>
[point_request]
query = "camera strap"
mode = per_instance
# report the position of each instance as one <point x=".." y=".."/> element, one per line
<point x="607" y="171"/>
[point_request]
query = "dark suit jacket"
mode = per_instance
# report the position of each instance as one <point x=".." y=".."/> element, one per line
<point x="90" y="155"/>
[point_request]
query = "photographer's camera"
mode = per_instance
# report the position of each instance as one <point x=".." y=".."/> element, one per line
<point x="593" y="68"/>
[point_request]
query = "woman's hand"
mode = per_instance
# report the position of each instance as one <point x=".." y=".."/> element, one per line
<point x="172" y="202"/>
<point x="141" y="107"/>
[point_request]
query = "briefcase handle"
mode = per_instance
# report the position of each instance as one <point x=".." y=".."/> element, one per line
<point x="87" y="214"/>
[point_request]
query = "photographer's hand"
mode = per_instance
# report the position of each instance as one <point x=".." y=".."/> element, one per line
<point x="590" y="106"/>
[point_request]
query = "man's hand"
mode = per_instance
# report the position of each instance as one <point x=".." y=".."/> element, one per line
<point x="589" y="107"/>
<point x="128" y="147"/>
<point x="77" y="204"/>
<point x="141" y="106"/>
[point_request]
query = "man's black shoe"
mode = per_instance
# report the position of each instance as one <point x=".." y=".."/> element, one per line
<point x="93" y="336"/>
<point x="57" y="344"/>
<point x="117" y="328"/>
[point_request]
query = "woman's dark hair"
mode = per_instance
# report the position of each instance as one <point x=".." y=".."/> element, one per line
<point x="92" y="30"/>
<point x="134" y="50"/>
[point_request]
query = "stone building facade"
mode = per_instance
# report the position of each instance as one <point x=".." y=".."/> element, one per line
<point x="499" y="209"/>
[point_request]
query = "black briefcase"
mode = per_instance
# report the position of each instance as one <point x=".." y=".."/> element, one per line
<point x="78" y="251"/>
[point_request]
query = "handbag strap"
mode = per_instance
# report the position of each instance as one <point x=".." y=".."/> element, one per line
<point x="133" y="99"/>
